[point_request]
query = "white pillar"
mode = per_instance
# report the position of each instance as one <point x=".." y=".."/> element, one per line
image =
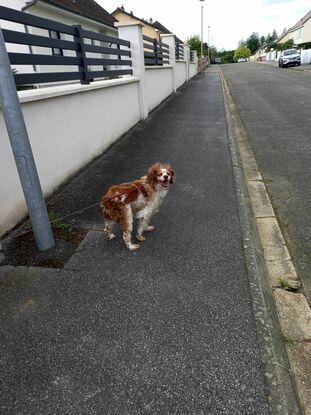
<point x="132" y="31"/>
<point x="187" y="59"/>
<point x="169" y="39"/>
<point x="195" y="59"/>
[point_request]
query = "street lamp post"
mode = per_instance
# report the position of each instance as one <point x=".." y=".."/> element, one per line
<point x="202" y="1"/>
<point x="208" y="42"/>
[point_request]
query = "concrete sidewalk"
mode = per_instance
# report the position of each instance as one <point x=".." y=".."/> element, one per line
<point x="168" y="329"/>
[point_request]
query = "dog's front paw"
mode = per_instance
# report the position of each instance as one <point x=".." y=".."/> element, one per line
<point x="133" y="247"/>
<point x="150" y="228"/>
<point x="111" y="236"/>
<point x="140" y="238"/>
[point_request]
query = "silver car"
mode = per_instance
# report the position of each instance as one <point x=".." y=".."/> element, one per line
<point x="289" y="57"/>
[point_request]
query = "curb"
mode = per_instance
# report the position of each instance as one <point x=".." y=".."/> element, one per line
<point x="294" y="314"/>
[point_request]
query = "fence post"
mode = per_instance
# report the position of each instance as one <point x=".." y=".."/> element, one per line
<point x="81" y="55"/>
<point x="132" y="31"/>
<point x="169" y="39"/>
<point x="155" y="50"/>
<point x="21" y="148"/>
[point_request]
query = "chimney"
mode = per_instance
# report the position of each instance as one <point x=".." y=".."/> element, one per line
<point x="131" y="13"/>
<point x="151" y="20"/>
<point x="122" y="7"/>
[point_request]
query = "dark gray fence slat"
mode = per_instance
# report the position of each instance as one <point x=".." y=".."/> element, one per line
<point x="164" y="45"/>
<point x="148" y="39"/>
<point x="38" y="78"/>
<point x="146" y="46"/>
<point x="106" y="50"/>
<point x="11" y="36"/>
<point x="31" y="59"/>
<point x="104" y="38"/>
<point x="117" y="62"/>
<point x="103" y="74"/>
<point x="16" y="16"/>
<point x="149" y="54"/>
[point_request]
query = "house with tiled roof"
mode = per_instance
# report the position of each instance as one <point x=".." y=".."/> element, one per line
<point x="300" y="33"/>
<point x="162" y="29"/>
<point x="85" y="12"/>
<point x="90" y="15"/>
<point x="123" y="16"/>
<point x="151" y="28"/>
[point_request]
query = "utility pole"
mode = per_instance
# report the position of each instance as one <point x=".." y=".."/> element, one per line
<point x="21" y="148"/>
<point x="208" y="40"/>
<point x="202" y="1"/>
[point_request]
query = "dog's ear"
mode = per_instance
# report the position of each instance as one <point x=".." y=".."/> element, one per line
<point x="171" y="172"/>
<point x="153" y="173"/>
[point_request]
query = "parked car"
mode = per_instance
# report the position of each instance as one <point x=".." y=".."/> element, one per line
<point x="242" y="60"/>
<point x="289" y="57"/>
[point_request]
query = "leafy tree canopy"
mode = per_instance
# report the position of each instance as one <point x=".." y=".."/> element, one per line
<point x="195" y="44"/>
<point x="253" y="42"/>
<point x="242" y="52"/>
<point x="262" y="40"/>
<point x="286" y="45"/>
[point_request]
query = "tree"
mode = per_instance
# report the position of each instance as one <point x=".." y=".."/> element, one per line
<point x="226" y="56"/>
<point x="253" y="42"/>
<point x="262" y="40"/>
<point x="286" y="45"/>
<point x="213" y="54"/>
<point x="242" y="52"/>
<point x="274" y="35"/>
<point x="195" y="44"/>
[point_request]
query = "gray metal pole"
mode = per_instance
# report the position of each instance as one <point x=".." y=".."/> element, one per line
<point x="21" y="148"/>
<point x="208" y="57"/>
<point x="202" y="30"/>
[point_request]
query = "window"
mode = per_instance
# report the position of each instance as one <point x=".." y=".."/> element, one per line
<point x="55" y="35"/>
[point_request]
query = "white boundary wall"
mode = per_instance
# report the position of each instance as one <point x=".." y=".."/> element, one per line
<point x="192" y="70"/>
<point x="158" y="85"/>
<point x="69" y="125"/>
<point x="306" y="56"/>
<point x="181" y="68"/>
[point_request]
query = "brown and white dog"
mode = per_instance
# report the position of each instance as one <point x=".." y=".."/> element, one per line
<point x="138" y="199"/>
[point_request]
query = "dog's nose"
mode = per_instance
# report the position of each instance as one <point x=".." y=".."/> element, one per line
<point x="165" y="176"/>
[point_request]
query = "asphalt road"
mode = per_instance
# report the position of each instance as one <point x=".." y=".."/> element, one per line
<point x="275" y="106"/>
<point x="166" y="330"/>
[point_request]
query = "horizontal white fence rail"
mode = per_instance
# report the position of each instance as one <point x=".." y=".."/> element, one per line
<point x="71" y="124"/>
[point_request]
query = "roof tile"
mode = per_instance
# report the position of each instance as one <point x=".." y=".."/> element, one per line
<point x="86" y="8"/>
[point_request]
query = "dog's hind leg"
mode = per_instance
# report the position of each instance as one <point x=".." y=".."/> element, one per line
<point x="127" y="225"/>
<point x="108" y="225"/>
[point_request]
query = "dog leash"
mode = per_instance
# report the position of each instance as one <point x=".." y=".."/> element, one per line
<point x="3" y="242"/>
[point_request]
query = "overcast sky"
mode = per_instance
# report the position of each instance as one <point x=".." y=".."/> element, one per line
<point x="230" y="20"/>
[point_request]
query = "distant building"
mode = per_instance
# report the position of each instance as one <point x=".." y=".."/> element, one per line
<point x="300" y="33"/>
<point x="163" y="30"/>
<point x="151" y="28"/>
